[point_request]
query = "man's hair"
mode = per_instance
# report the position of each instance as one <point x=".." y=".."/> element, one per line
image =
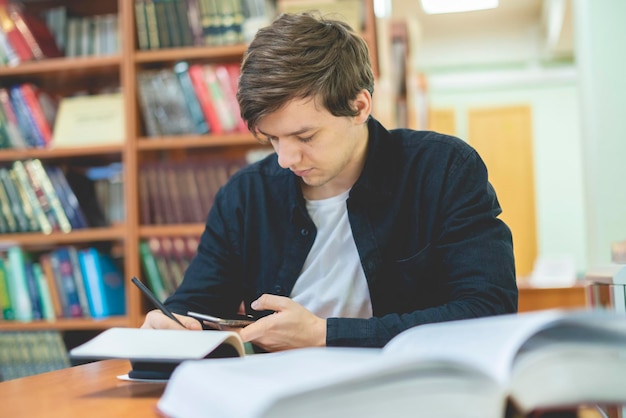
<point x="300" y="56"/>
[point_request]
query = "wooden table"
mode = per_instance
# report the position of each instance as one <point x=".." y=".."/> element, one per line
<point x="89" y="390"/>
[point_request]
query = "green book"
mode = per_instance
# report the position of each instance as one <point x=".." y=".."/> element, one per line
<point x="152" y="271"/>
<point x="5" y="299"/>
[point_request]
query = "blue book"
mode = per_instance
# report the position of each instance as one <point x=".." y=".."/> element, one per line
<point x="104" y="283"/>
<point x="64" y="277"/>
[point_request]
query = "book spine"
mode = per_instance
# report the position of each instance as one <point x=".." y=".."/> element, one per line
<point x="62" y="266"/>
<point x="153" y="26"/>
<point x="5" y="295"/>
<point x="14" y="199"/>
<point x="18" y="287"/>
<point x="25" y="202"/>
<point x="25" y="120"/>
<point x="36" y="112"/>
<point x="173" y="25"/>
<point x="37" y="172"/>
<point x="48" y="273"/>
<point x="93" y="287"/>
<point x="33" y="291"/>
<point x="181" y="69"/>
<point x="18" y="20"/>
<point x="141" y="25"/>
<point x="36" y="188"/>
<point x="161" y="23"/>
<point x="194" y="17"/>
<point x="151" y="270"/>
<point x="68" y="199"/>
<point x="38" y="209"/>
<point x="10" y="57"/>
<point x="15" y="136"/>
<point x="45" y="296"/>
<point x="196" y="74"/>
<point x="79" y="281"/>
<point x="13" y="35"/>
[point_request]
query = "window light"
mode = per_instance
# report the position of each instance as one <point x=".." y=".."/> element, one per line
<point x="454" y="6"/>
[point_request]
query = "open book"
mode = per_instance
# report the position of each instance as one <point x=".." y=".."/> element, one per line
<point x="470" y="368"/>
<point x="155" y="353"/>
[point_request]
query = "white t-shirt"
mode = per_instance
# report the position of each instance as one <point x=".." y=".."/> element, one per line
<point x="332" y="282"/>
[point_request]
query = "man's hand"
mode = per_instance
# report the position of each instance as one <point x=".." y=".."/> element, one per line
<point x="290" y="326"/>
<point x="155" y="319"/>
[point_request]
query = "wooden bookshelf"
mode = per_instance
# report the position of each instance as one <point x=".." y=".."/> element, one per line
<point x="66" y="75"/>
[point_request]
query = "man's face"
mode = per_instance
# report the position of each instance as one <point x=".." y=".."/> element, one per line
<point x="325" y="151"/>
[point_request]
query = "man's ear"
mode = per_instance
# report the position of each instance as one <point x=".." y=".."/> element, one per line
<point x="363" y="105"/>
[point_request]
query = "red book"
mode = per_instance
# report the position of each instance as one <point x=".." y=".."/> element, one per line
<point x="196" y="73"/>
<point x="31" y="97"/>
<point x="36" y="34"/>
<point x="14" y="36"/>
<point x="228" y="74"/>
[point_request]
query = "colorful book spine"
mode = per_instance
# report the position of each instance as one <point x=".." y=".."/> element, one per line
<point x="18" y="286"/>
<point x="104" y="283"/>
<point x="41" y="211"/>
<point x="209" y="107"/>
<point x="62" y="267"/>
<point x="5" y="295"/>
<point x="181" y="69"/>
<point x="151" y="270"/>
<point x="30" y="95"/>
<point x="15" y="38"/>
<point x="38" y="175"/>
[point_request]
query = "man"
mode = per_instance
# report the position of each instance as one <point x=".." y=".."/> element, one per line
<point x="348" y="233"/>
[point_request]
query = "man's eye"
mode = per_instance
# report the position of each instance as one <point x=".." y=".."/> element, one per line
<point x="307" y="139"/>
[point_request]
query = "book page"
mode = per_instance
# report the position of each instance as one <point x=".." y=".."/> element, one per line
<point x="156" y="344"/>
<point x="489" y="344"/>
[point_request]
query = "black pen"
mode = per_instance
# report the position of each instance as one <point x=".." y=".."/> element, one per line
<point x="154" y="300"/>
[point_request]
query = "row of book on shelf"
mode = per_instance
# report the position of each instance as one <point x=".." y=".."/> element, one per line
<point x="26" y="36"/>
<point x="180" y="23"/>
<point x="183" y="99"/>
<point x="43" y="198"/>
<point x="66" y="282"/>
<point x="74" y="282"/>
<point x="26" y="353"/>
<point x="190" y="99"/>
<point x="176" y="192"/>
<point x="164" y="261"/>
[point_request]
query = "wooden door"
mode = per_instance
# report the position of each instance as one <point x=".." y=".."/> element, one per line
<point x="503" y="138"/>
<point x="442" y="121"/>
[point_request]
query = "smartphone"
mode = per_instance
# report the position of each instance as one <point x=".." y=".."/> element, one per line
<point x="238" y="321"/>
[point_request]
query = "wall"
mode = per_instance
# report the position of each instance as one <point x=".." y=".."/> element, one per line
<point x="557" y="150"/>
<point x="579" y="113"/>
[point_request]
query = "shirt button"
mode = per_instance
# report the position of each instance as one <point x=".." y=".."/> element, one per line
<point x="304" y="232"/>
<point x="277" y="289"/>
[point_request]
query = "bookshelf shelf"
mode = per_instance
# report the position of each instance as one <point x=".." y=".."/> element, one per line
<point x="66" y="324"/>
<point x="219" y="53"/>
<point x="147" y="231"/>
<point x="56" y="153"/>
<point x="196" y="141"/>
<point x="87" y="235"/>
<point x="58" y="65"/>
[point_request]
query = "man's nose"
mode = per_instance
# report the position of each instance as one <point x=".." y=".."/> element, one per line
<point x="289" y="153"/>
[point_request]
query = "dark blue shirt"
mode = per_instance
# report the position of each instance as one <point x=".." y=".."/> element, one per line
<point x="424" y="220"/>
